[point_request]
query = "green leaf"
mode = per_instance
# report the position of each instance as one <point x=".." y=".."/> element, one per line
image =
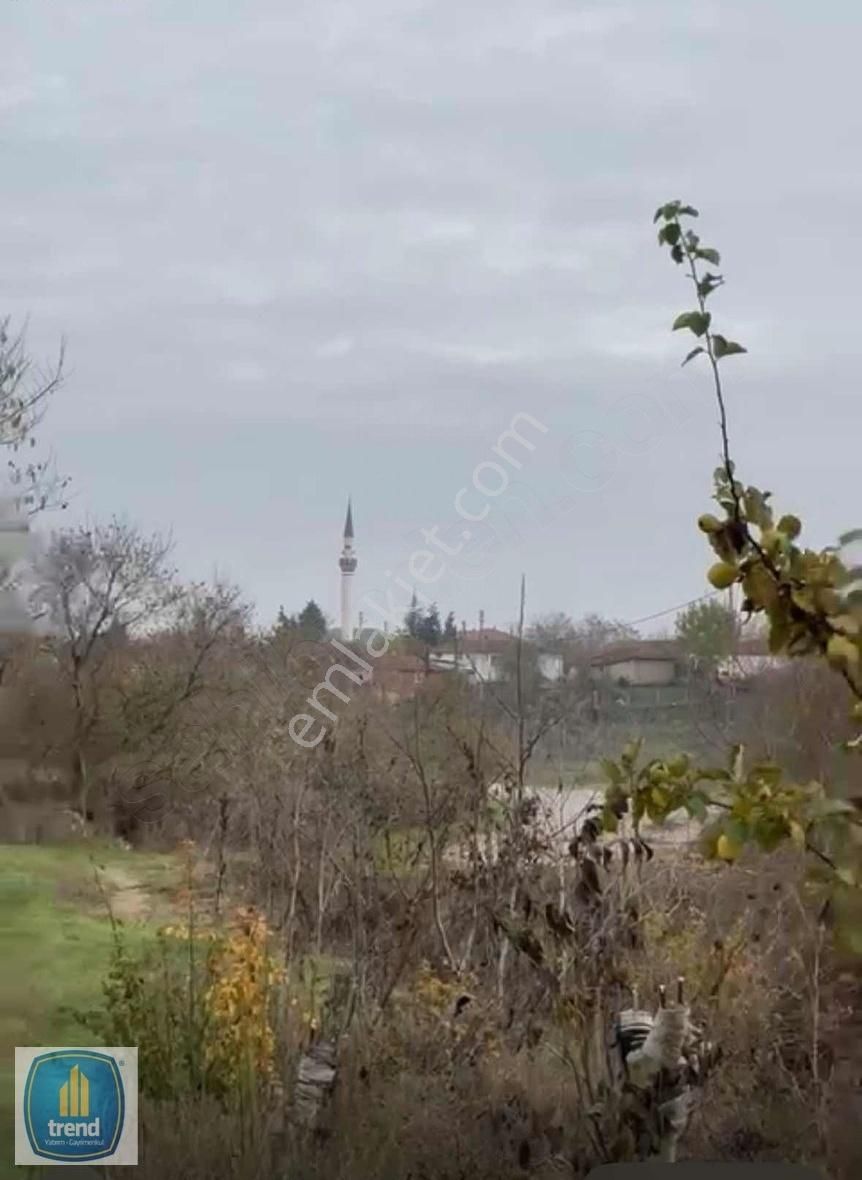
<point x="677" y="253"/>
<point x="709" y="255"/>
<point x="760" y="587"/>
<point x="669" y="233"/>
<point x="610" y="823"/>
<point x="617" y="799"/>
<point x="820" y="809"/>
<point x="708" y="284"/>
<point x="611" y="771"/>
<point x="678" y="765"/>
<point x="658" y="803"/>
<point x="767" y="773"/>
<point x="850" y="538"/>
<point x="711" y="280"/>
<point x="756" y="508"/>
<point x="737" y="829"/>
<point x="667" y="211"/>
<point x="696" y="807"/>
<point x="722" y="347"/>
<point x="688" y="211"/>
<point x="694" y="352"/>
<point x="696" y="321"/>
<point x="715" y="774"/>
<point x="770" y="833"/>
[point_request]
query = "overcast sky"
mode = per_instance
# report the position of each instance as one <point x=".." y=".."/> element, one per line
<point x="300" y="249"/>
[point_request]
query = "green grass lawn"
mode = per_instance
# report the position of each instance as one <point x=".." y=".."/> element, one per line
<point x="55" y="940"/>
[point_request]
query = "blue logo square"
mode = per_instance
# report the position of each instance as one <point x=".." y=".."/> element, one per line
<point x="74" y="1105"/>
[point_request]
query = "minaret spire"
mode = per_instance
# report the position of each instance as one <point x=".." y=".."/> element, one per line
<point x="347" y="565"/>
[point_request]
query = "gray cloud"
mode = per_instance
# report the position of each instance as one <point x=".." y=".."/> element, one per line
<point x="300" y="248"/>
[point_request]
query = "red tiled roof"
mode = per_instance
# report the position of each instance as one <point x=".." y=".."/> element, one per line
<point x="397" y="674"/>
<point x="488" y="641"/>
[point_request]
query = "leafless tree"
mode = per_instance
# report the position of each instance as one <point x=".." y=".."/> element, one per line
<point x="173" y="696"/>
<point x="96" y="586"/>
<point x="25" y="392"/>
<point x="29" y="485"/>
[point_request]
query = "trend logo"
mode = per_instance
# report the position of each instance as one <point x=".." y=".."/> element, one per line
<point x="75" y="1094"/>
<point x="74" y="1105"/>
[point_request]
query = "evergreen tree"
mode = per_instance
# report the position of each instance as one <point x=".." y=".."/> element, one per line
<point x="284" y="622"/>
<point x="450" y="631"/>
<point x="430" y="631"/>
<point x="413" y="620"/>
<point x="312" y="621"/>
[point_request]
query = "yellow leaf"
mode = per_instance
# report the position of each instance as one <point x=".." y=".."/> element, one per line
<point x="841" y="650"/>
<point x="759" y="585"/>
<point x="804" y="599"/>
<point x="827" y="600"/>
<point x="726" y="848"/>
<point x="797" y="833"/>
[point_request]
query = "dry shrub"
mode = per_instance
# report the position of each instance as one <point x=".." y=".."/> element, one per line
<point x="444" y="1084"/>
<point x="195" y="1137"/>
<point x="760" y="971"/>
<point x="798" y="716"/>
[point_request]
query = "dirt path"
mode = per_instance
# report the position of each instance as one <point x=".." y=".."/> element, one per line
<point x="130" y="902"/>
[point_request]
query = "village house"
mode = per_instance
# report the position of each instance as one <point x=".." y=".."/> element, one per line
<point x="751" y="658"/>
<point x="486" y="655"/>
<point x="397" y="676"/>
<point x="653" y="663"/>
<point x="639" y="662"/>
<point x="482" y="656"/>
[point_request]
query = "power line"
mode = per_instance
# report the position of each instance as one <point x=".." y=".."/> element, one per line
<point x="672" y="609"/>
